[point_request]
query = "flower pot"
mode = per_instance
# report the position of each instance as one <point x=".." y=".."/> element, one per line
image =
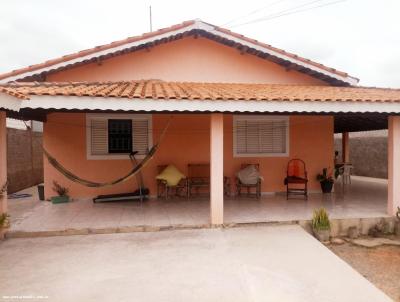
<point x="3" y="230"/>
<point x="322" y="235"/>
<point x="326" y="186"/>
<point x="60" y="199"/>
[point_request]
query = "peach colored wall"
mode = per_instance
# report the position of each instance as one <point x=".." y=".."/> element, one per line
<point x="187" y="141"/>
<point x="310" y="138"/>
<point x="188" y="59"/>
<point x="64" y="136"/>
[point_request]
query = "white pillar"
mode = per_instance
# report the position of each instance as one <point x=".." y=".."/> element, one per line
<point x="217" y="168"/>
<point x="3" y="159"/>
<point x="393" y="165"/>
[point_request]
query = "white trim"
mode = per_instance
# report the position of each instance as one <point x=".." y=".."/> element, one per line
<point x="9" y="102"/>
<point x="261" y="118"/>
<point x="197" y="25"/>
<point x="157" y="105"/>
<point x="90" y="116"/>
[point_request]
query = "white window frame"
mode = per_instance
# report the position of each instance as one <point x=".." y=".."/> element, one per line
<point x="260" y="118"/>
<point x="90" y="116"/>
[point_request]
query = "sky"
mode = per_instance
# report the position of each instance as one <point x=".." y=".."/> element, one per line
<point x="360" y="37"/>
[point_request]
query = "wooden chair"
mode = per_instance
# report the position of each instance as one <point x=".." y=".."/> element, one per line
<point x="164" y="190"/>
<point x="296" y="180"/>
<point x="256" y="186"/>
<point x="198" y="178"/>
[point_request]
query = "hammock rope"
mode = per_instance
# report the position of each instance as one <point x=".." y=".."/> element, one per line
<point x="68" y="174"/>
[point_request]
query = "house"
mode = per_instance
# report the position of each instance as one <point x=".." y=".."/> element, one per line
<point x="230" y="99"/>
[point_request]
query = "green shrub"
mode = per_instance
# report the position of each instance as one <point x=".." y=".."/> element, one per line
<point x="320" y="220"/>
<point x="60" y="190"/>
<point x="325" y="177"/>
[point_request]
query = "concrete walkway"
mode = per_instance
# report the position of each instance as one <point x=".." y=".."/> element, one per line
<point x="274" y="263"/>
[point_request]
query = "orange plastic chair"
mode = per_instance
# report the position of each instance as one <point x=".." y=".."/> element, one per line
<point x="296" y="180"/>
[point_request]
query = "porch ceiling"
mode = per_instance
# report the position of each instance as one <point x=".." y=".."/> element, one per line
<point x="360" y="122"/>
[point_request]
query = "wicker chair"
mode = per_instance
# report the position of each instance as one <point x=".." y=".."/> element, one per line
<point x="164" y="190"/>
<point x="296" y="180"/>
<point x="248" y="187"/>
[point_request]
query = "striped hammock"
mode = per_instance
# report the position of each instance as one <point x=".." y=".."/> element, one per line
<point x="68" y="174"/>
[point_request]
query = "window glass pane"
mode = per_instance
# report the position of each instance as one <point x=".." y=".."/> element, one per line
<point x="119" y="136"/>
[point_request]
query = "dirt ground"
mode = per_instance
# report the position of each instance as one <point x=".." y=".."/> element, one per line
<point x="380" y="265"/>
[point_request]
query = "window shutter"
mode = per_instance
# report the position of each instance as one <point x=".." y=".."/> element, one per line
<point x="266" y="136"/>
<point x="140" y="136"/>
<point x="241" y="131"/>
<point x="99" y="136"/>
<point x="279" y="136"/>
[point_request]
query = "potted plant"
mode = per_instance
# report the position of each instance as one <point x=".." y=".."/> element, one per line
<point x="326" y="181"/>
<point x="62" y="193"/>
<point x="4" y="224"/>
<point x="321" y="225"/>
<point x="397" y="223"/>
<point x="4" y="217"/>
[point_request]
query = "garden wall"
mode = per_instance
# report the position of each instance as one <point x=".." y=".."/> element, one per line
<point x="368" y="154"/>
<point x="24" y="159"/>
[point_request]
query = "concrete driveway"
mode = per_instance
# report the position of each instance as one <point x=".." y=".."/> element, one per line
<point x="273" y="263"/>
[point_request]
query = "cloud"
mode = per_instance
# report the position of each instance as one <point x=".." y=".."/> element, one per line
<point x="361" y="37"/>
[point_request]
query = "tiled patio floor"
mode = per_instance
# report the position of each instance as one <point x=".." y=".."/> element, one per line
<point x="364" y="198"/>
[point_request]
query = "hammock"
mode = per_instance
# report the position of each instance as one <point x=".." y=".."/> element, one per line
<point x="60" y="168"/>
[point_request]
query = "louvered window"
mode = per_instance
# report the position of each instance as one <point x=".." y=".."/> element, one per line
<point x="140" y="136"/>
<point x="260" y="136"/>
<point x="113" y="136"/>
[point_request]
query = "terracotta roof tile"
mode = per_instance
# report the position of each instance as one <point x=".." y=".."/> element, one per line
<point x="203" y="91"/>
<point x="14" y="93"/>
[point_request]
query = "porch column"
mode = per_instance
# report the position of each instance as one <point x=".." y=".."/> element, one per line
<point x="3" y="159"/>
<point x="217" y="168"/>
<point x="393" y="165"/>
<point x="345" y="147"/>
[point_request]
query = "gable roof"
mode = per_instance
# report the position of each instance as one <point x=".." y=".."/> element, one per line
<point x="193" y="27"/>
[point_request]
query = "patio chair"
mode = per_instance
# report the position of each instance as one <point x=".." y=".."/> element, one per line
<point x="345" y="172"/>
<point x="164" y="190"/>
<point x="296" y="180"/>
<point x="198" y="178"/>
<point x="249" y="187"/>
